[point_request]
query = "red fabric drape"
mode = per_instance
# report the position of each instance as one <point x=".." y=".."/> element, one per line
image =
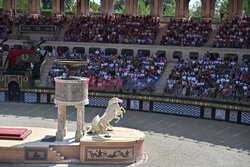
<point x="15" y="53"/>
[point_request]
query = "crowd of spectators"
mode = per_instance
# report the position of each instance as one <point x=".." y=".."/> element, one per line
<point x="205" y="77"/>
<point x="40" y="20"/>
<point x="5" y="24"/>
<point x="233" y="34"/>
<point x="187" y="33"/>
<point x="113" y="29"/>
<point x="130" y="73"/>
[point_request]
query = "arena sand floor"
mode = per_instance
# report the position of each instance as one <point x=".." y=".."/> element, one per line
<point x="171" y="141"/>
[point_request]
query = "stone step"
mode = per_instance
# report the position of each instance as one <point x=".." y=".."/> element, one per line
<point x="161" y="84"/>
<point x="161" y="31"/>
<point x="72" y="160"/>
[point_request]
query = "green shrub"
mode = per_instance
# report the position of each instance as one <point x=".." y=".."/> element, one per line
<point x="165" y="15"/>
<point x="1" y="9"/>
<point x="196" y="17"/>
<point x="117" y="13"/>
<point x="21" y="10"/>
<point x="96" y="13"/>
<point x="46" y="12"/>
<point x="67" y="12"/>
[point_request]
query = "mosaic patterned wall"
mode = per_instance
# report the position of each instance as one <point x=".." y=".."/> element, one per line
<point x="30" y="97"/>
<point x="140" y="105"/>
<point x="245" y="117"/>
<point x="2" y="96"/>
<point x="176" y="109"/>
<point x="98" y="101"/>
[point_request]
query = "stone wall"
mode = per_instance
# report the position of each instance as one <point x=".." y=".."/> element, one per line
<point x="169" y="50"/>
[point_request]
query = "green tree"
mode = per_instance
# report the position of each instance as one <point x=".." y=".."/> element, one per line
<point x="46" y="4"/>
<point x="1" y="3"/>
<point x="119" y="5"/>
<point x="22" y="6"/>
<point x="69" y="4"/>
<point x="195" y="10"/>
<point x="143" y="9"/>
<point x="246" y="8"/>
<point x="169" y="8"/>
<point x="93" y="7"/>
<point x="223" y="7"/>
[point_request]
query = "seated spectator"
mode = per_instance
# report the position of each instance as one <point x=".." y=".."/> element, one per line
<point x="5" y="23"/>
<point x="218" y="78"/>
<point x="233" y="34"/>
<point x="186" y="33"/>
<point x="113" y="29"/>
<point x="40" y="20"/>
<point x="131" y="73"/>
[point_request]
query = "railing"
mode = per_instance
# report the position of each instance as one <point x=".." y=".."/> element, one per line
<point x="19" y="38"/>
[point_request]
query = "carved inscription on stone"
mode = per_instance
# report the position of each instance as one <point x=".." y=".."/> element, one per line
<point x="36" y="154"/>
<point x="95" y="153"/>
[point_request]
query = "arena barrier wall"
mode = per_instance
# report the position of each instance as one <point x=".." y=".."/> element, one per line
<point x="197" y="108"/>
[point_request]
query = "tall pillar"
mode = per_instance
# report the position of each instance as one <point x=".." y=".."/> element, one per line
<point x="185" y="8"/>
<point x="207" y="8"/>
<point x="80" y="119"/>
<point x="212" y="8"/>
<point x="235" y="7"/>
<point x="107" y="7"/>
<point x="34" y="7"/>
<point x="57" y="7"/>
<point x="156" y="8"/>
<point x="177" y="8"/>
<point x="132" y="7"/>
<point x="61" y="127"/>
<point x="83" y="7"/>
<point x="9" y="4"/>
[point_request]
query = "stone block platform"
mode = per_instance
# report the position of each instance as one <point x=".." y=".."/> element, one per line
<point x="124" y="147"/>
<point x="14" y="133"/>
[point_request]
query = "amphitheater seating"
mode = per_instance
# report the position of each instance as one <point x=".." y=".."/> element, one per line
<point x="5" y="23"/>
<point x="41" y="20"/>
<point x="187" y="33"/>
<point x="222" y="79"/>
<point x="131" y="73"/>
<point x="113" y="29"/>
<point x="233" y="34"/>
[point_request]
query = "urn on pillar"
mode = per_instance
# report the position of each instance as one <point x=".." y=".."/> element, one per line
<point x="71" y="91"/>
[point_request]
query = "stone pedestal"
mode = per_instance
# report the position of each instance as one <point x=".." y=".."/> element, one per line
<point x="71" y="92"/>
<point x="126" y="146"/>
